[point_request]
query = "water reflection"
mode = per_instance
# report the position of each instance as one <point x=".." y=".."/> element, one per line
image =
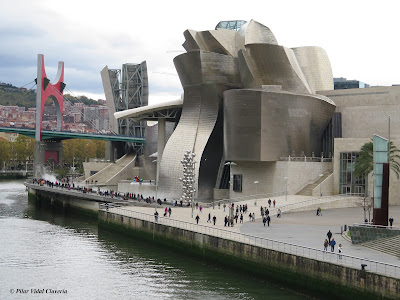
<point x="55" y="248"/>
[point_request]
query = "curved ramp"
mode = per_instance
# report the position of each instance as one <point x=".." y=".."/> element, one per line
<point x="114" y="172"/>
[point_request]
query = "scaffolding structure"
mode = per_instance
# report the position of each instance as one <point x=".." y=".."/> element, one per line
<point x="129" y="87"/>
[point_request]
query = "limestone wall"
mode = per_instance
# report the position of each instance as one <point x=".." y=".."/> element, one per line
<point x="291" y="268"/>
<point x="271" y="176"/>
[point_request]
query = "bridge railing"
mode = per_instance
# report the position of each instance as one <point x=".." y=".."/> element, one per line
<point x="386" y="269"/>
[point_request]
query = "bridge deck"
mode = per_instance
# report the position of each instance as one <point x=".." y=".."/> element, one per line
<point x="64" y="135"/>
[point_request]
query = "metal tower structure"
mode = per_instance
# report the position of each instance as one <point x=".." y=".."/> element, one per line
<point x="129" y="88"/>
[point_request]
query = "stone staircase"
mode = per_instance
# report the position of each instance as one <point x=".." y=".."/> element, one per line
<point x="389" y="245"/>
<point x="308" y="189"/>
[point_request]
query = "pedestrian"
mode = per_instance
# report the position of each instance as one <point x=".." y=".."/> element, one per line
<point x="274" y="202"/>
<point x="156" y="216"/>
<point x="268" y="220"/>
<point x="209" y="218"/>
<point x="201" y="208"/>
<point x="225" y="220"/>
<point x="269" y="202"/>
<point x="241" y="218"/>
<point x="326" y="243"/>
<point x="332" y="244"/>
<point x="329" y="235"/>
<point x="254" y="217"/>
<point x="165" y="211"/>
<point x="250" y="217"/>
<point x="219" y="205"/>
<point x="224" y="206"/>
<point x="340" y="251"/>
<point x="197" y="219"/>
<point x="169" y="211"/>
<point x="264" y="220"/>
<point x="214" y="219"/>
<point x="391" y="221"/>
<point x="236" y="218"/>
<point x="279" y="213"/>
<point x="267" y="212"/>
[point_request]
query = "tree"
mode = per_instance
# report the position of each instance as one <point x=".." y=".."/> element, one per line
<point x="4" y="152"/>
<point x="365" y="161"/>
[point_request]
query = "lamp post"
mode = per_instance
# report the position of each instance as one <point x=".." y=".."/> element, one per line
<point x="320" y="185"/>
<point x="286" y="178"/>
<point x="230" y="164"/>
<point x="255" y="200"/>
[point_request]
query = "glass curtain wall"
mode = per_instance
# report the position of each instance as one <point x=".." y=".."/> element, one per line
<point x="348" y="183"/>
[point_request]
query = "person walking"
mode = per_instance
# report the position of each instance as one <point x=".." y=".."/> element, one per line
<point x="169" y="212"/>
<point x="269" y="202"/>
<point x="274" y="202"/>
<point x="268" y="220"/>
<point x="278" y="215"/>
<point x="391" y="221"/>
<point x="201" y="208"/>
<point x="224" y="206"/>
<point x="209" y="218"/>
<point x="225" y="220"/>
<point x="329" y="235"/>
<point x="156" y="216"/>
<point x="264" y="220"/>
<point x="326" y="244"/>
<point x="340" y="251"/>
<point x="332" y="244"/>
<point x="197" y="219"/>
<point x="214" y="219"/>
<point x="241" y="218"/>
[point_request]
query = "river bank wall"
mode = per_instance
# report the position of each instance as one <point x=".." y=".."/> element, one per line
<point x="326" y="279"/>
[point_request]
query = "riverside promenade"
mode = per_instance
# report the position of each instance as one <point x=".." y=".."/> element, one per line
<point x="300" y="233"/>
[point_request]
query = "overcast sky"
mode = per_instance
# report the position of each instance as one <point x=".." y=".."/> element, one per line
<point x="360" y="37"/>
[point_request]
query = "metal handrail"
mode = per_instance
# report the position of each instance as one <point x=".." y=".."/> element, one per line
<point x="318" y="200"/>
<point x="304" y="251"/>
<point x="377" y="226"/>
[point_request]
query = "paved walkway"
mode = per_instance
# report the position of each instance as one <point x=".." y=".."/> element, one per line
<point x="301" y="228"/>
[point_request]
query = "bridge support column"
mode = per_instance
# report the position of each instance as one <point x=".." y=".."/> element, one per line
<point x="45" y="151"/>
<point x="160" y="144"/>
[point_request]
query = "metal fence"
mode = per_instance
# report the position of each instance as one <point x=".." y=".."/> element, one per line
<point x="377" y="226"/>
<point x="312" y="253"/>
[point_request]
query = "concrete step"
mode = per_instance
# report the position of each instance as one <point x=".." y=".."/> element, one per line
<point x="308" y="189"/>
<point x="388" y="245"/>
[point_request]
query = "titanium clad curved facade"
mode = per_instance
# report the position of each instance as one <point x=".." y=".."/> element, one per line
<point x="204" y="77"/>
<point x="270" y="65"/>
<point x="263" y="126"/>
<point x="220" y="41"/>
<point x="254" y="32"/>
<point x="316" y="67"/>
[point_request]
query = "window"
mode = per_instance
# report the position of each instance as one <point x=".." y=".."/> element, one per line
<point x="237" y="182"/>
<point x="348" y="183"/>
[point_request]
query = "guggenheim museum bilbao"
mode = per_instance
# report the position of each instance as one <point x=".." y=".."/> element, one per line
<point x="261" y="119"/>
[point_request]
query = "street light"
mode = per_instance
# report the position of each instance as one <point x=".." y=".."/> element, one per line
<point x="286" y="178"/>
<point x="230" y="164"/>
<point x="320" y="185"/>
<point x="255" y="200"/>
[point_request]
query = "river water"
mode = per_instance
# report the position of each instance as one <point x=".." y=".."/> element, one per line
<point x="48" y="254"/>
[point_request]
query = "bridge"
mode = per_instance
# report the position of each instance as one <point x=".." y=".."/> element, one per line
<point x="48" y="142"/>
<point x="64" y="135"/>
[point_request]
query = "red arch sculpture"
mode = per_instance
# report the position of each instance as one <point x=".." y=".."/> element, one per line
<point x="45" y="89"/>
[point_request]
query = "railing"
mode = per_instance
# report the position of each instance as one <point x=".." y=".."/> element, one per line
<point x="319" y="200"/>
<point x="306" y="159"/>
<point x="312" y="253"/>
<point x="377" y="226"/>
<point x="242" y="198"/>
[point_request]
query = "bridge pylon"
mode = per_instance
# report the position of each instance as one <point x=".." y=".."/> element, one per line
<point x="45" y="150"/>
